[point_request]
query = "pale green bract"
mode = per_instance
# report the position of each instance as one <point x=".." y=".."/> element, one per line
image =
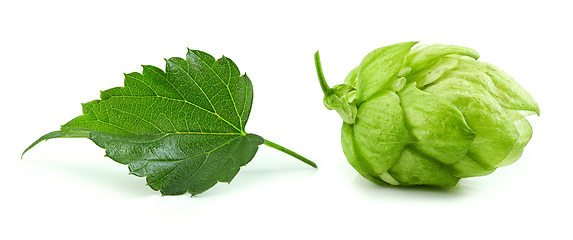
<point x="429" y="115"/>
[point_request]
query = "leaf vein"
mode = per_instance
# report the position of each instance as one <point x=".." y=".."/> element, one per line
<point x="141" y="80"/>
<point x="170" y="83"/>
<point x="226" y="85"/>
<point x="135" y="115"/>
<point x="206" y="159"/>
<point x="196" y="84"/>
<point x="187" y="158"/>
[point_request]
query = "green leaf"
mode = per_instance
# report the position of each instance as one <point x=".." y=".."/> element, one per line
<point x="182" y="128"/>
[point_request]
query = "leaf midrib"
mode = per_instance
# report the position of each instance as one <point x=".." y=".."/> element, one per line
<point x="171" y="99"/>
<point x="163" y="135"/>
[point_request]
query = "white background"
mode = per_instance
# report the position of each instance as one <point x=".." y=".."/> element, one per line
<point x="55" y="55"/>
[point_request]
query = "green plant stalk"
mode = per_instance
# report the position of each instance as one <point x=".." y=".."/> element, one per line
<point x="290" y="152"/>
<point x="325" y="88"/>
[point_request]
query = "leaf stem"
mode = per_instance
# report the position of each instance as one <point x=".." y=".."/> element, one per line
<point x="321" y="79"/>
<point x="289" y="152"/>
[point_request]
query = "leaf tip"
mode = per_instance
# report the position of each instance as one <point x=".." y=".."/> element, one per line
<point x="26" y="150"/>
<point x="22" y="156"/>
<point x="50" y="135"/>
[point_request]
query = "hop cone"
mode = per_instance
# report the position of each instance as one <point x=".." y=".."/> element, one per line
<point x="429" y="115"/>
